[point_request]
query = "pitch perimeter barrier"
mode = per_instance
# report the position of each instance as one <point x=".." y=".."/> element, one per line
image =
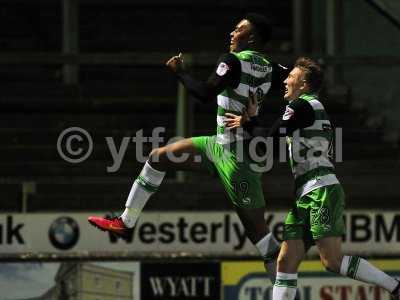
<point x="175" y="279"/>
<point x="47" y="236"/>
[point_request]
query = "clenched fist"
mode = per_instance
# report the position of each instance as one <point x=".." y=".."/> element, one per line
<point x="175" y="63"/>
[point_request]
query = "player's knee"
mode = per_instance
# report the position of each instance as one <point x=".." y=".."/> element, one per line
<point x="156" y="157"/>
<point x="283" y="262"/>
<point x="255" y="233"/>
<point x="287" y="264"/>
<point x="331" y="264"/>
<point x="154" y="154"/>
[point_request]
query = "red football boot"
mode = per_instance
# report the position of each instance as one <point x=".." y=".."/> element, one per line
<point x="114" y="225"/>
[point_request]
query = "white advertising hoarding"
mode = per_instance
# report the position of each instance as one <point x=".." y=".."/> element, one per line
<point x="212" y="233"/>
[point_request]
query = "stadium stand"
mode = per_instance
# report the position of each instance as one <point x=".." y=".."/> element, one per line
<point x="118" y="100"/>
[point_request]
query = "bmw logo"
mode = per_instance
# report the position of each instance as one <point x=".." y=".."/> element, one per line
<point x="64" y="233"/>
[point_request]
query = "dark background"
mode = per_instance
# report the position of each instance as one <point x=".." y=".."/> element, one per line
<point x="99" y="65"/>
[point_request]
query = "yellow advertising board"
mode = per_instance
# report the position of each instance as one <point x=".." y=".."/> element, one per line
<point x="247" y="280"/>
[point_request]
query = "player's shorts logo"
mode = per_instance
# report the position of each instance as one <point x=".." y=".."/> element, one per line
<point x="64" y="233"/>
<point x="324" y="215"/>
<point x="320" y="216"/>
<point x="246" y="200"/>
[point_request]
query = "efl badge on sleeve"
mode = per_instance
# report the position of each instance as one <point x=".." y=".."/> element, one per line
<point x="222" y="69"/>
<point x="289" y="112"/>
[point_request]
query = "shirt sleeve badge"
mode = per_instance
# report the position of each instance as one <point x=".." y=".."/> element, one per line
<point x="289" y="112"/>
<point x="222" y="69"/>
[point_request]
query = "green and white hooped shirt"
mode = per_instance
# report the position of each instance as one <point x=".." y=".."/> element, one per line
<point x="255" y="77"/>
<point x="309" y="151"/>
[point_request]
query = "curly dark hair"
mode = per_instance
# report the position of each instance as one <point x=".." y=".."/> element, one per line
<point x="262" y="26"/>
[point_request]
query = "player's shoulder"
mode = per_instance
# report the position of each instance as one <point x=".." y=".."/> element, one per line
<point x="301" y="104"/>
<point x="227" y="63"/>
<point x="228" y="57"/>
<point x="312" y="100"/>
<point x="253" y="56"/>
<point x="301" y="109"/>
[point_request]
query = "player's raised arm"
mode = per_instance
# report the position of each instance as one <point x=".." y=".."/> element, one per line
<point x="226" y="74"/>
